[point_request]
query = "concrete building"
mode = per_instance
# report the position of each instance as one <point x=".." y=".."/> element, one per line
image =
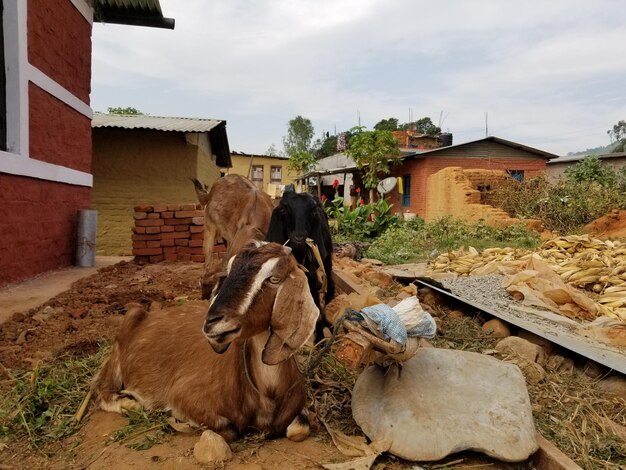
<point x="147" y="160"/>
<point x="556" y="168"/>
<point x="267" y="172"/>
<point x="45" y="125"/>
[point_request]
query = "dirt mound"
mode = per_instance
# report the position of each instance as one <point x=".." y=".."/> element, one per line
<point x="92" y="309"/>
<point x="611" y="225"/>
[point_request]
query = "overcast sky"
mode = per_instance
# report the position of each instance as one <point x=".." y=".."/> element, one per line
<point x="550" y="74"/>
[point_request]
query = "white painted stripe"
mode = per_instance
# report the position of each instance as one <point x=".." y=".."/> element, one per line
<point x="18" y="165"/>
<point x="264" y="273"/>
<point x="47" y="84"/>
<point x="16" y="60"/>
<point x="84" y="9"/>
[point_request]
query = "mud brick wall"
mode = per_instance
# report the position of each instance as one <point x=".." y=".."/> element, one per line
<point x="168" y="232"/>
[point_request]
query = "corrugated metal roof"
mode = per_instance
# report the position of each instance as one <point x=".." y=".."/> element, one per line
<point x="157" y="123"/>
<point x="508" y="143"/>
<point x="577" y="158"/>
<point x="145" y="5"/>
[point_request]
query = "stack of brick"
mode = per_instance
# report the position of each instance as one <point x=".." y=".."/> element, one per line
<point x="168" y="232"/>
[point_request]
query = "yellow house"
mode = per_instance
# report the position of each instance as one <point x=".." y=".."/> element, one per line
<point x="148" y="160"/>
<point x="268" y="172"/>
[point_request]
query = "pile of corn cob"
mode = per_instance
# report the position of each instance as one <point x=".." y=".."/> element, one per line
<point x="598" y="267"/>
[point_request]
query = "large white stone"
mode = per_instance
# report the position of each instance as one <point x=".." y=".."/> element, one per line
<point x="445" y="401"/>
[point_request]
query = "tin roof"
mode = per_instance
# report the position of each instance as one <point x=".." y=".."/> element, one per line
<point x="157" y="123"/>
<point x="214" y="127"/>
<point x="132" y="12"/>
<point x="577" y="158"/>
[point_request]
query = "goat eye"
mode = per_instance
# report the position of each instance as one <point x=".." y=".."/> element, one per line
<point x="274" y="280"/>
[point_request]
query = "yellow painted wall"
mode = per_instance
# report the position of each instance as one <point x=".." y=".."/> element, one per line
<point x="142" y="167"/>
<point x="241" y="166"/>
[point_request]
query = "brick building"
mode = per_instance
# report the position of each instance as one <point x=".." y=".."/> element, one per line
<point x="148" y="160"/>
<point x="45" y="125"/>
<point x="490" y="153"/>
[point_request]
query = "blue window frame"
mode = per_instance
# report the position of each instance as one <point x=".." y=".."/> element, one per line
<point x="406" y="190"/>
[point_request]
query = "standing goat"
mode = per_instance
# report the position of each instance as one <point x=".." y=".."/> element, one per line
<point x="235" y="210"/>
<point x="247" y="377"/>
<point x="300" y="216"/>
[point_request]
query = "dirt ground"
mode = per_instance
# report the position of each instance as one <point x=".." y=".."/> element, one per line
<point x="78" y="320"/>
<point x="612" y="225"/>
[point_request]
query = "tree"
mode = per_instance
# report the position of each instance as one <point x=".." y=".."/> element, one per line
<point x="618" y="135"/>
<point x="129" y="111"/>
<point x="422" y="126"/>
<point x="591" y="169"/>
<point x="272" y="151"/>
<point x="325" y="147"/>
<point x="299" y="135"/>
<point x="297" y="144"/>
<point x="372" y="151"/>
<point x="390" y="124"/>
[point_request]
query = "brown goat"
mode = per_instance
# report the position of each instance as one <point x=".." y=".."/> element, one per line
<point x="235" y="210"/>
<point x="247" y="377"/>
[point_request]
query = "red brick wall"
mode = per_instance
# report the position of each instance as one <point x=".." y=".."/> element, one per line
<point x="168" y="232"/>
<point x="37" y="225"/>
<point x="421" y="169"/>
<point x="58" y="134"/>
<point x="59" y="44"/>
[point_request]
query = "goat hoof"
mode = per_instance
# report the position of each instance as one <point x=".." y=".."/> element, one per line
<point x="299" y="428"/>
<point x="120" y="405"/>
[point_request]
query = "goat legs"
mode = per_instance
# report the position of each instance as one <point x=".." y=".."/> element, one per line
<point x="299" y="428"/>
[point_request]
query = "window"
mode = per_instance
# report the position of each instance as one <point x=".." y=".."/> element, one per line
<point x="516" y="174"/>
<point x="257" y="175"/>
<point x="276" y="174"/>
<point x="406" y="190"/>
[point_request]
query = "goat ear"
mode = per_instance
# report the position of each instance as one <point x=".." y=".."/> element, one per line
<point x="276" y="232"/>
<point x="293" y="319"/>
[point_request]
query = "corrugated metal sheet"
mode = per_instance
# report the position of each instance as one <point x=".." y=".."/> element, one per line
<point x="157" y="123"/>
<point x="142" y="5"/>
<point x="577" y="158"/>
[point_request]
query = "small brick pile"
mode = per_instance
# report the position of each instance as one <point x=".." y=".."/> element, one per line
<point x="168" y="232"/>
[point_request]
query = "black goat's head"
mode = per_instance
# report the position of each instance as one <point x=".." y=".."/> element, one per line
<point x="297" y="217"/>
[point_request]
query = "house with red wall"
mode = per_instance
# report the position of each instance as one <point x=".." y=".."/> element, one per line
<point x="491" y="153"/>
<point x="45" y="124"/>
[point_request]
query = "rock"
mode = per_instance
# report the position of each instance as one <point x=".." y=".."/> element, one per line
<point x="558" y="363"/>
<point x="440" y="404"/>
<point x="379" y="279"/>
<point x="79" y="313"/>
<point x="41" y="317"/>
<point x="18" y="317"/>
<point x="154" y="306"/>
<point x="211" y="448"/>
<point x="496" y="328"/>
<point x="614" y="385"/>
<point x="410" y="289"/>
<point x="547" y="345"/>
<point x="514" y="345"/>
<point x="373" y="262"/>
<point x="456" y="315"/>
<point x="533" y="372"/>
<point x="403" y="295"/>
<point x="594" y="370"/>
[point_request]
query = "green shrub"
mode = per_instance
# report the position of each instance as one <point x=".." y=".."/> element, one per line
<point x="415" y="240"/>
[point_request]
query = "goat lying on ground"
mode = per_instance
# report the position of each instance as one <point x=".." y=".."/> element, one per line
<point x="235" y="210"/>
<point x="296" y="218"/>
<point x="247" y="377"/>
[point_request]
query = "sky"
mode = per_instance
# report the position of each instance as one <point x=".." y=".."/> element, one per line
<point x="549" y="74"/>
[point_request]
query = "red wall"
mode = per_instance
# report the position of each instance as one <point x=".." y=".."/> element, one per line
<point x="38" y="217"/>
<point x="421" y="169"/>
<point x="37" y="225"/>
<point x="58" y="134"/>
<point x="59" y="44"/>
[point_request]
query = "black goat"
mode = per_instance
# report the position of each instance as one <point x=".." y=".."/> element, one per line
<point x="297" y="217"/>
